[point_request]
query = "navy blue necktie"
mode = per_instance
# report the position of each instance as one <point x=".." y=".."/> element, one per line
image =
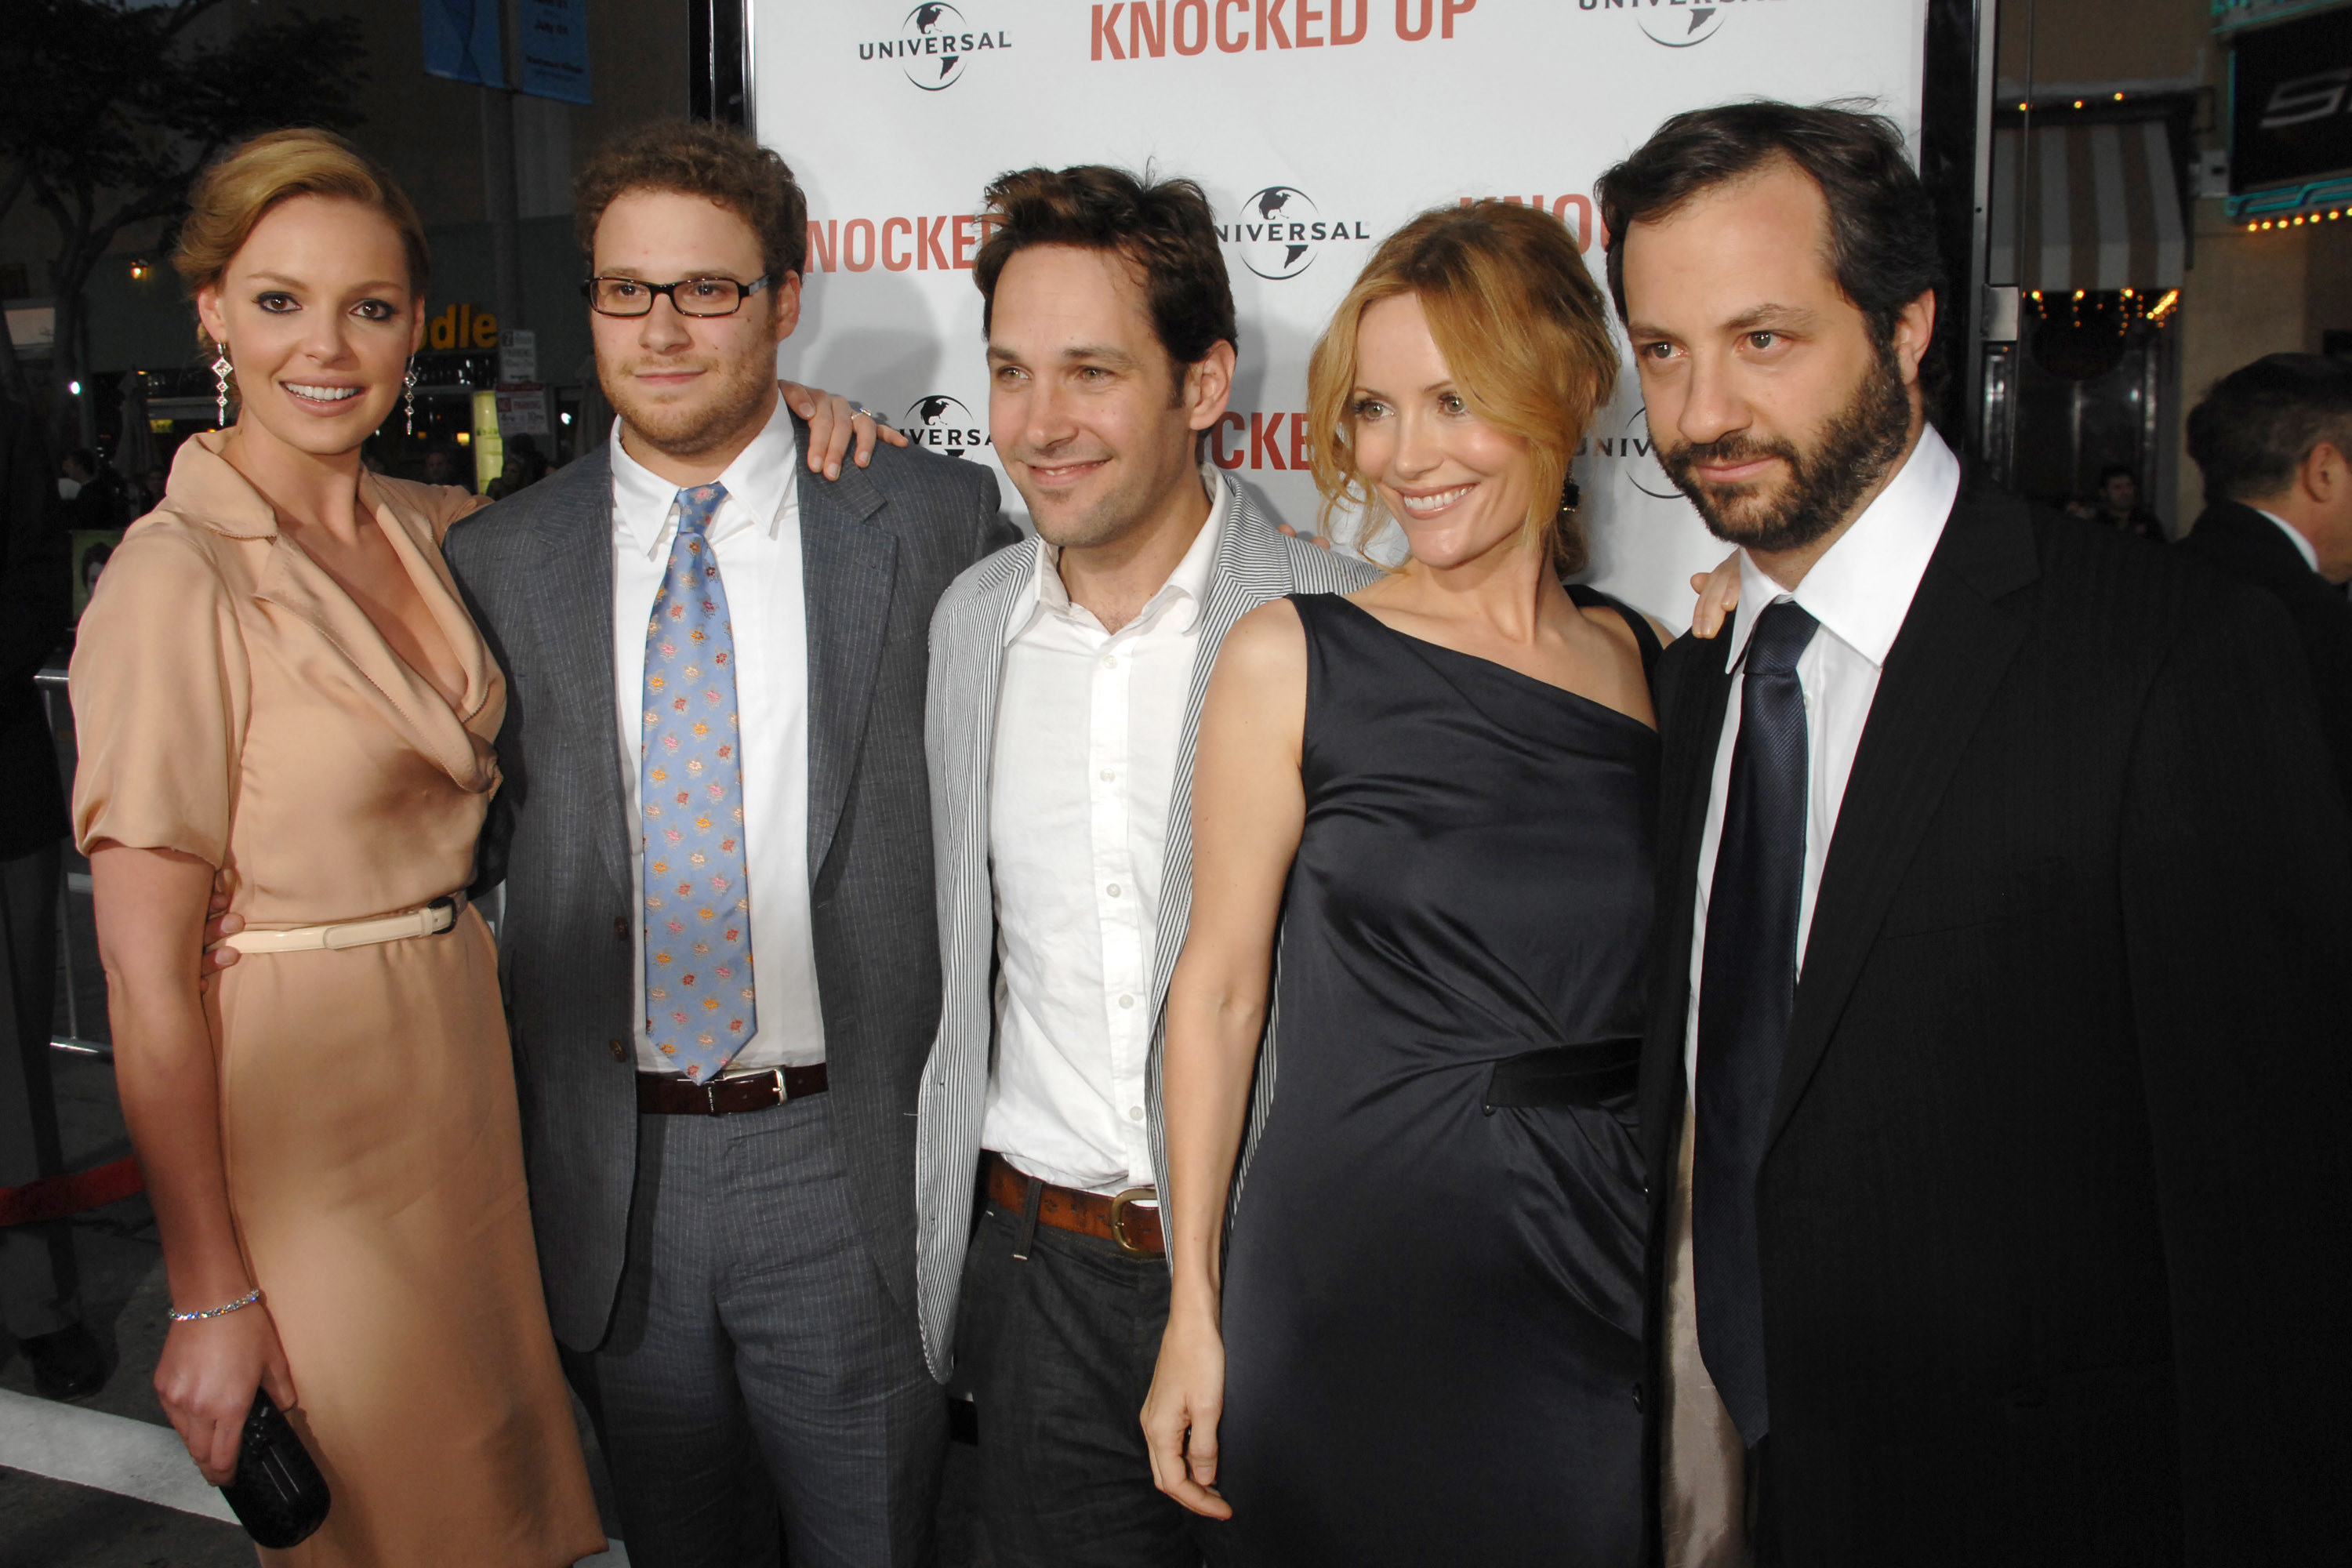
<point x="1748" y="986"/>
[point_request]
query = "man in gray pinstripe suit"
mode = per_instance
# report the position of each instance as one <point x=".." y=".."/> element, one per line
<point x="724" y="1235"/>
<point x="1065" y="686"/>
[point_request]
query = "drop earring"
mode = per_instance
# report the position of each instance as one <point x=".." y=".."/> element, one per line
<point x="221" y="368"/>
<point x="1569" y="496"/>
<point x="408" y="386"/>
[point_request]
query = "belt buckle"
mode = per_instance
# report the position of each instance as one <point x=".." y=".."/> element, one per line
<point x="710" y="1090"/>
<point x="1119" y="1207"/>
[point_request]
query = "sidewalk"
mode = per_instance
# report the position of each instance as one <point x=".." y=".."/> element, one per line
<point x="51" y="1524"/>
<point x="48" y="1523"/>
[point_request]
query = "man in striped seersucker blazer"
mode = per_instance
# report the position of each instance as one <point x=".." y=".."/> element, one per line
<point x="1066" y="681"/>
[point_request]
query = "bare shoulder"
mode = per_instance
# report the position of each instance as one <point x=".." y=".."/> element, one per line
<point x="1269" y="641"/>
<point x="1261" y="673"/>
<point x="1256" y="708"/>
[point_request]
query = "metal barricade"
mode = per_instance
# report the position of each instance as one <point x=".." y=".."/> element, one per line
<point x="78" y="1037"/>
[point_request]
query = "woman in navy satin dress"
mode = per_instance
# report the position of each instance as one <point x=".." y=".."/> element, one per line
<point x="1436" y="798"/>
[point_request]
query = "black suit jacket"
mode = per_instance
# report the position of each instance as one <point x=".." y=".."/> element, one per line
<point x="36" y="606"/>
<point x="2054" y="1215"/>
<point x="878" y="546"/>
<point x="2247" y="545"/>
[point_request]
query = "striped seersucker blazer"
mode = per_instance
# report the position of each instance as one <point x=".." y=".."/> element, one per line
<point x="1254" y="564"/>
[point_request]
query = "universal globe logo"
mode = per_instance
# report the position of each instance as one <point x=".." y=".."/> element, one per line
<point x="1680" y="27"/>
<point x="943" y="424"/>
<point x="1675" y="24"/>
<point x="1640" y="454"/>
<point x="1279" y="229"/>
<point x="934" y="43"/>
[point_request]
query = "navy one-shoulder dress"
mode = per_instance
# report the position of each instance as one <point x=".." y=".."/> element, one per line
<point x="1432" y="1309"/>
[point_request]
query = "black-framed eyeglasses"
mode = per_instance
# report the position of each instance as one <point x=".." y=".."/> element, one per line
<point x="688" y="296"/>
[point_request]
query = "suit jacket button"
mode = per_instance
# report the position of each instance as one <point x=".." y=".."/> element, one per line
<point x="620" y="928"/>
<point x="620" y="1050"/>
<point x="1637" y="1396"/>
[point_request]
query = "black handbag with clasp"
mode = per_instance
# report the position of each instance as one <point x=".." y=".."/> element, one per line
<point x="277" y="1493"/>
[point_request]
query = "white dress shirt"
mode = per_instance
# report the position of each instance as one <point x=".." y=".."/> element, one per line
<point x="756" y="535"/>
<point x="1860" y="592"/>
<point x="2303" y="546"/>
<point x="1089" y="723"/>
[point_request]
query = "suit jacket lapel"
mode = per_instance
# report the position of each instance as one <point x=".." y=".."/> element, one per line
<point x="1956" y="644"/>
<point x="1249" y="569"/>
<point x="847" y="564"/>
<point x="968" y="662"/>
<point x="1693" y="733"/>
<point x="576" y="628"/>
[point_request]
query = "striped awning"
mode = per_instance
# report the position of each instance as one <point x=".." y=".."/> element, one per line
<point x="2087" y="206"/>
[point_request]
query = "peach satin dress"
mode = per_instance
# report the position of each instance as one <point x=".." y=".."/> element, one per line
<point x="232" y="701"/>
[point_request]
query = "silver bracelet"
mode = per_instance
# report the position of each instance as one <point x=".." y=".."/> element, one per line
<point x="241" y="1303"/>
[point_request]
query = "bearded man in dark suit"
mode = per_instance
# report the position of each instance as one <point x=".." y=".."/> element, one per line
<point x="1994" y="1091"/>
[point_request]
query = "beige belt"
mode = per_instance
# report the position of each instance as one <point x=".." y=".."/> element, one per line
<point x="434" y="918"/>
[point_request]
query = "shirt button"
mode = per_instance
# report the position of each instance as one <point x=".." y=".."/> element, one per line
<point x="1112" y="889"/>
<point x="1107" y="776"/>
<point x="1134" y="1113"/>
<point x="620" y="1051"/>
<point x="1127" y="1001"/>
<point x="1110" y="661"/>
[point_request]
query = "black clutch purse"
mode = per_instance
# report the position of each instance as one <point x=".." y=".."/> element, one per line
<point x="277" y="1493"/>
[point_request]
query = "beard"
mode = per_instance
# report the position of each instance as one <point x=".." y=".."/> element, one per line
<point x="1108" y="518"/>
<point x="1855" y="450"/>
<point x="710" y="417"/>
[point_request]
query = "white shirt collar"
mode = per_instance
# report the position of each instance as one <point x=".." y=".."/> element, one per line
<point x="2303" y="546"/>
<point x="1862" y="587"/>
<point x="1187" y="586"/>
<point x="760" y="481"/>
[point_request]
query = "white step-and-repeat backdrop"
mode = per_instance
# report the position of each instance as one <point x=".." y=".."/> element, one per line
<point x="1316" y="127"/>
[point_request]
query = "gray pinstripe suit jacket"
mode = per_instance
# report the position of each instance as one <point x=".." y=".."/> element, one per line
<point x="1254" y="564"/>
<point x="877" y="547"/>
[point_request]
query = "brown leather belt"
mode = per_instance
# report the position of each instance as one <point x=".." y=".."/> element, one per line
<point x="673" y="1094"/>
<point x="1131" y="1219"/>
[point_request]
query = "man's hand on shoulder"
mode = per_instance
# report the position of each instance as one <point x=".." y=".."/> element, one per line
<point x="834" y="423"/>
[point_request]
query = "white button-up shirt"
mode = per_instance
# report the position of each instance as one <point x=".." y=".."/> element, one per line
<point x="2303" y="546"/>
<point x="1859" y="591"/>
<point x="1089" y="723"/>
<point x="756" y="535"/>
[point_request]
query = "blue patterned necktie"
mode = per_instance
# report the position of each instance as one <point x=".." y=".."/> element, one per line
<point x="698" y="1005"/>
<point x="1748" y="988"/>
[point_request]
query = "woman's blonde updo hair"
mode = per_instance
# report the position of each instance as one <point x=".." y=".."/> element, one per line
<point x="1525" y="332"/>
<point x="234" y="195"/>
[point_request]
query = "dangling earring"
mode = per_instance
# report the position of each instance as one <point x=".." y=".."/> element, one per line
<point x="409" y="383"/>
<point x="221" y="368"/>
<point x="1569" y="496"/>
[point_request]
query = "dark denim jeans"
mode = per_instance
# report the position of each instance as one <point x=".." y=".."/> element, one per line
<point x="1057" y="1351"/>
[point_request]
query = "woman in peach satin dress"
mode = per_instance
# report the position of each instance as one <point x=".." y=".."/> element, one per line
<point x="275" y="685"/>
<point x="279" y="699"/>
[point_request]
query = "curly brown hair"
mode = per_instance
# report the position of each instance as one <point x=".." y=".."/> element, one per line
<point x="698" y="158"/>
<point x="1165" y="229"/>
